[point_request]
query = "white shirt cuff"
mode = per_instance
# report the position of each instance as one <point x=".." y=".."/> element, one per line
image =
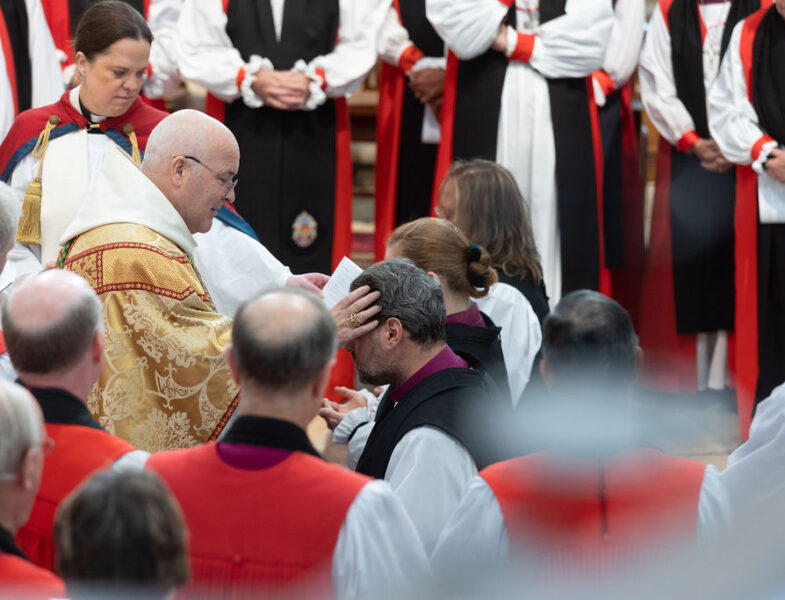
<point x="316" y="96"/>
<point x="430" y="62"/>
<point x="350" y="423"/>
<point x="765" y="151"/>
<point x="254" y="65"/>
<point x="512" y="41"/>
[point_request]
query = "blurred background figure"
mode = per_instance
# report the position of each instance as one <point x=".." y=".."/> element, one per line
<point x="54" y="330"/>
<point x="596" y="500"/>
<point x="121" y="535"/>
<point x="29" y="73"/>
<point x="23" y="444"/>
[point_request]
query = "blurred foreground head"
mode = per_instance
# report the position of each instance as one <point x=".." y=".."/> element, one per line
<point x="589" y="341"/>
<point x="121" y="534"/>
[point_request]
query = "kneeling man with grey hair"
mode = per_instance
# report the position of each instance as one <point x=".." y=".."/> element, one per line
<point x="322" y="528"/>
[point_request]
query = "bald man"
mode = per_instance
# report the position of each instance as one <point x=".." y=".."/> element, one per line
<point x="322" y="527"/>
<point x="23" y="444"/>
<point x="52" y="324"/>
<point x="165" y="383"/>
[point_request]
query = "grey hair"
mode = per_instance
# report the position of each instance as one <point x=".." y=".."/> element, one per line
<point x="20" y="428"/>
<point x="54" y="346"/>
<point x="293" y="361"/>
<point x="9" y="217"/>
<point x="410" y="295"/>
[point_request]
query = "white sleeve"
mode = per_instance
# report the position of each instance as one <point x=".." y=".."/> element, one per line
<point x="355" y="51"/>
<point x="475" y="535"/>
<point x="624" y="46"/>
<point x="47" y="78"/>
<point x="235" y="267"/>
<point x="205" y="53"/>
<point x="428" y="459"/>
<point x="574" y="44"/>
<point x="658" y="88"/>
<point x="468" y="27"/>
<point x="131" y="461"/>
<point x="732" y="118"/>
<point x="378" y="548"/>
<point x="358" y="425"/>
<point x="755" y="476"/>
<point x="162" y="19"/>
<point x="521" y="334"/>
<point x="714" y="508"/>
<point x="393" y="38"/>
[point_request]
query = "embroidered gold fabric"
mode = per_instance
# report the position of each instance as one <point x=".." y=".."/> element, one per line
<point x="165" y="383"/>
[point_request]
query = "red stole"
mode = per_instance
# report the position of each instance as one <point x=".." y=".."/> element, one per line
<point x="271" y="528"/>
<point x="746" y="229"/>
<point x="27" y="580"/>
<point x="596" y="510"/>
<point x="79" y="451"/>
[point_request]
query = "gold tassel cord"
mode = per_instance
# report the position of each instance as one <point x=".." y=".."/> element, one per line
<point x="29" y="230"/>
<point x="128" y="131"/>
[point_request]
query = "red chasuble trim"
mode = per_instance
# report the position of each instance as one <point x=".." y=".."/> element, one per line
<point x="444" y="155"/>
<point x="388" y="136"/>
<point x="687" y="141"/>
<point x="10" y="67"/>
<point x="523" y="48"/>
<point x="670" y="358"/>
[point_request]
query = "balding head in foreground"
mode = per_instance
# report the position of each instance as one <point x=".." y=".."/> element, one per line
<point x="193" y="159"/>
<point x="53" y="330"/>
<point x="282" y="351"/>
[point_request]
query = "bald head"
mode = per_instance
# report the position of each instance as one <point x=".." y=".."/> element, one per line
<point x="49" y="322"/>
<point x="283" y="338"/>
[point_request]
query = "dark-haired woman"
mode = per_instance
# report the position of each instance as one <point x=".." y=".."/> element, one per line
<point x="51" y="154"/>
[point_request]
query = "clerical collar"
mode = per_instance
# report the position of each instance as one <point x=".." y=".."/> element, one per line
<point x="90" y="116"/>
<point x="254" y="442"/>
<point x="8" y="545"/>
<point x="62" y="408"/>
<point x="446" y="359"/>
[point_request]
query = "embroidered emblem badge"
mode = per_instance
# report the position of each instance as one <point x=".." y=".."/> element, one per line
<point x="304" y="229"/>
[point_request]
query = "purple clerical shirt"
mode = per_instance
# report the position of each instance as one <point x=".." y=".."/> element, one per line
<point x="470" y="316"/>
<point x="446" y="359"/>
<point x="250" y="457"/>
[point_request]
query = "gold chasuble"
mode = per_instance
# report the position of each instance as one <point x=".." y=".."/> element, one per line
<point x="165" y="383"/>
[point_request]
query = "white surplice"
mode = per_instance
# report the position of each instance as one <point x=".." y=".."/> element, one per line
<point x="572" y="45"/>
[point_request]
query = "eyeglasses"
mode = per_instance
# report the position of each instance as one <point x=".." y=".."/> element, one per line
<point x="229" y="184"/>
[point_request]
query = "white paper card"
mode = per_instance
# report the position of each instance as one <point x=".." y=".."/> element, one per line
<point x="337" y="287"/>
<point x="771" y="200"/>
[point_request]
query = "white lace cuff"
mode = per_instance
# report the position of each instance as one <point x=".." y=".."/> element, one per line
<point x="765" y="151"/>
<point x="253" y="66"/>
<point x="348" y="425"/>
<point x="430" y="62"/>
<point x="316" y="96"/>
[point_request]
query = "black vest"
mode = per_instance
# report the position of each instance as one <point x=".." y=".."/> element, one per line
<point x="287" y="163"/>
<point x="452" y="400"/>
<point x="15" y="16"/>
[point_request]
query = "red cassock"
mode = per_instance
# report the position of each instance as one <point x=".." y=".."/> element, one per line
<point x="79" y="451"/>
<point x="272" y="529"/>
<point x="22" y="580"/>
<point x="585" y="513"/>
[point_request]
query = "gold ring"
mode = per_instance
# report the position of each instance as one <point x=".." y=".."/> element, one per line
<point x="352" y="320"/>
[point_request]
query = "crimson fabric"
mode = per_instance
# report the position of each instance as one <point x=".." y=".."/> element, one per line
<point x="270" y="529"/>
<point x="578" y="512"/>
<point x="79" y="452"/>
<point x="27" y="127"/>
<point x="3" y="349"/>
<point x="62" y="17"/>
<point x="444" y="154"/>
<point x="23" y="580"/>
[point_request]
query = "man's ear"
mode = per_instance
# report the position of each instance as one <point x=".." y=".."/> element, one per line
<point x="177" y="171"/>
<point x="639" y="356"/>
<point x="30" y="470"/>
<point x="545" y="371"/>
<point x="392" y="333"/>
<point x="97" y="350"/>
<point x="231" y="361"/>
